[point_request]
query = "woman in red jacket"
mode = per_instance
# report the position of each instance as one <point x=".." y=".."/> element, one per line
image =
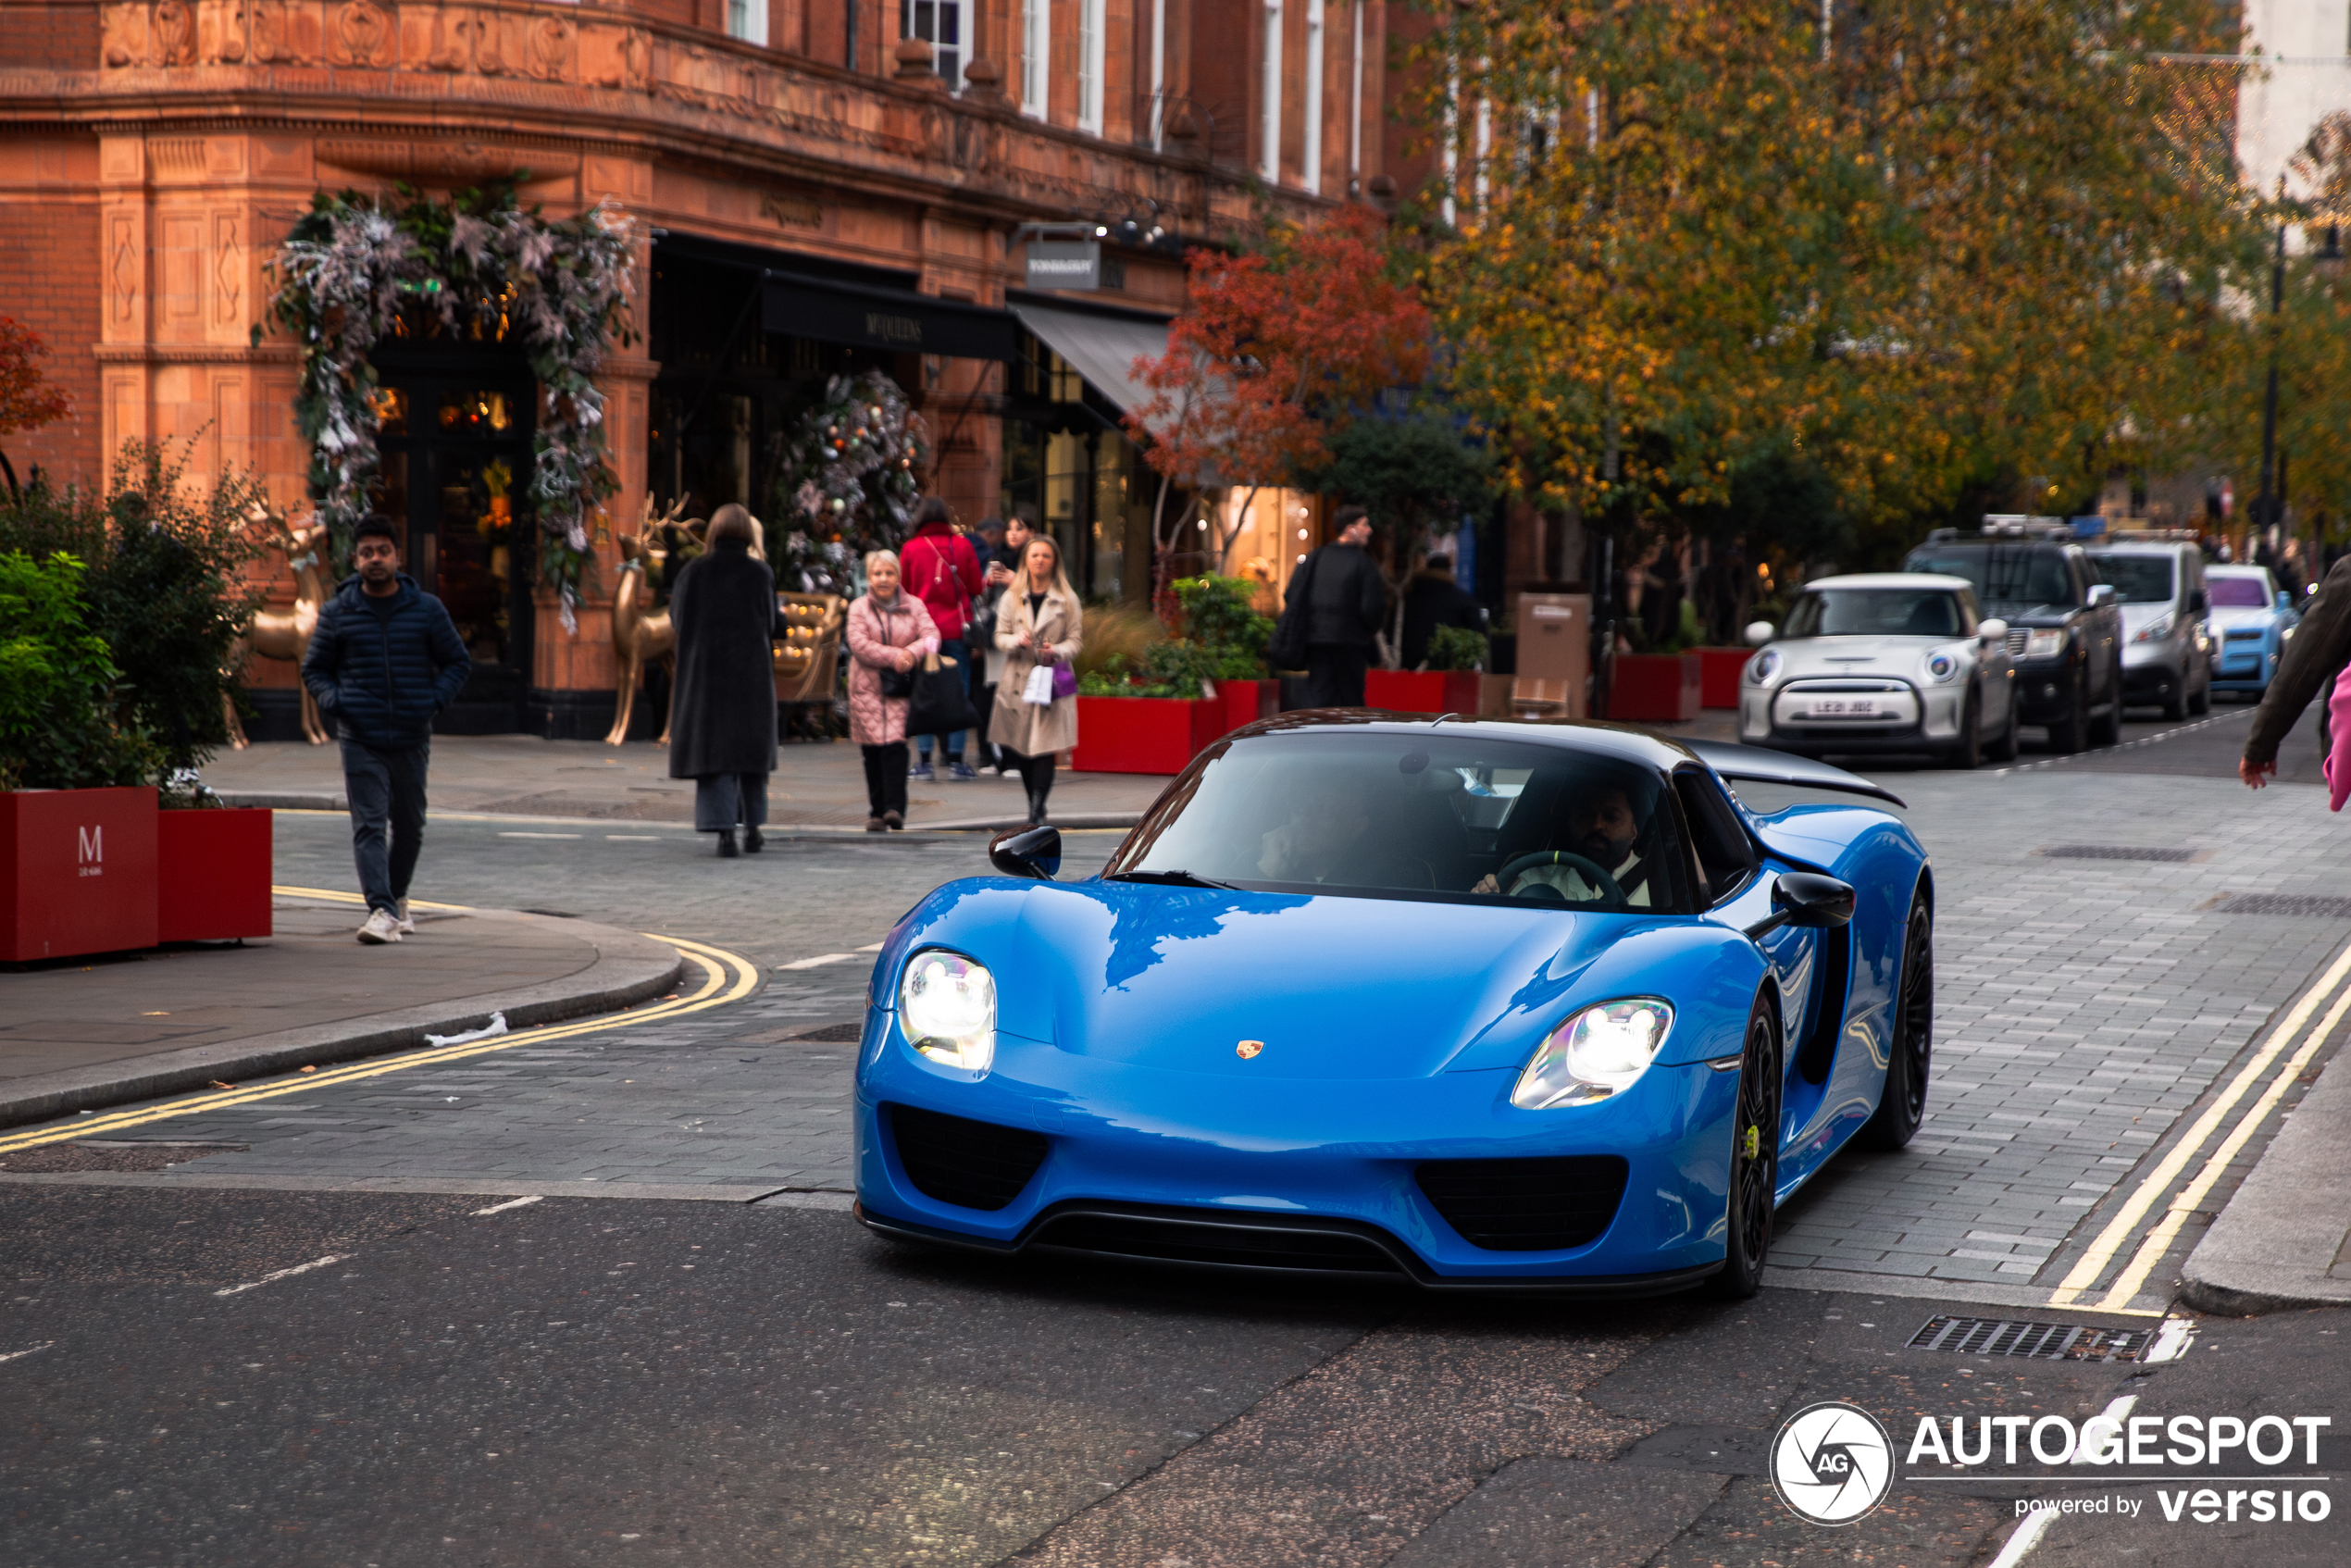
<point x="939" y="567"/>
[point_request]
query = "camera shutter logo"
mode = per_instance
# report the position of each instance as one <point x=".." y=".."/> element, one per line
<point x="1831" y="1463"/>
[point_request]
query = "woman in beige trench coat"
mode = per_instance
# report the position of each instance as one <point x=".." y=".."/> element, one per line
<point x="1038" y="623"/>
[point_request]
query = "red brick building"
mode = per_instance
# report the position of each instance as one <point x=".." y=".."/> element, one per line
<point x="811" y="195"/>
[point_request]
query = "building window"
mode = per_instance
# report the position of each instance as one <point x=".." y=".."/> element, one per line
<point x="1091" y="29"/>
<point x="1035" y="46"/>
<point x="1269" y="132"/>
<point x="939" y="23"/>
<point x="747" y="19"/>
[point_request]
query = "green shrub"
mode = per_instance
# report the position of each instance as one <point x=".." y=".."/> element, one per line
<point x="1116" y="635"/>
<point x="1175" y="667"/>
<point x="58" y="728"/>
<point x="164" y="586"/>
<point x="1219" y="617"/>
<point x="1457" y="647"/>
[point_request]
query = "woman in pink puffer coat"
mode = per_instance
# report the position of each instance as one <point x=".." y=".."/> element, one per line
<point x="888" y="630"/>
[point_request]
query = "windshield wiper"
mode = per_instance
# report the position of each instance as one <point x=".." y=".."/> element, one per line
<point x="1171" y="878"/>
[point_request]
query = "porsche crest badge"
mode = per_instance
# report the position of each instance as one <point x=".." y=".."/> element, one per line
<point x="1248" y="1049"/>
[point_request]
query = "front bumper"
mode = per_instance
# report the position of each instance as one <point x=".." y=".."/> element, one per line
<point x="2152" y="672"/>
<point x="1149" y="1152"/>
<point x="2044" y="690"/>
<point x="1940" y="710"/>
<point x="2245" y="667"/>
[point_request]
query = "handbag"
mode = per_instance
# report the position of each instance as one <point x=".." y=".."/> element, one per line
<point x="894" y="682"/>
<point x="1285" y="650"/>
<point x="1064" y="680"/>
<point x="940" y="705"/>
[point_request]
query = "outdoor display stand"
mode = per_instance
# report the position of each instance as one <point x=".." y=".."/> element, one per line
<point x="1422" y="692"/>
<point x="212" y="875"/>
<point x="1718" y="672"/>
<point x="1144" y="734"/>
<point x="1654" y="688"/>
<point x="77" y="872"/>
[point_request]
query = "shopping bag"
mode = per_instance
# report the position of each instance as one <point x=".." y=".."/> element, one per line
<point x="1039" y="689"/>
<point x="940" y="704"/>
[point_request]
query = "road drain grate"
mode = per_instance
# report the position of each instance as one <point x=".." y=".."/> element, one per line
<point x="2113" y="852"/>
<point x="2041" y="1341"/>
<point x="2283" y="904"/>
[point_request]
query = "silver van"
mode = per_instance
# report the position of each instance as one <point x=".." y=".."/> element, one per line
<point x="2167" y="634"/>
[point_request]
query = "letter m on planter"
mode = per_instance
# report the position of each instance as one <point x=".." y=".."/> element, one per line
<point x="77" y="872"/>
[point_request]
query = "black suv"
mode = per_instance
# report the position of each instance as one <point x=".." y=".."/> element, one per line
<point x="2065" y="628"/>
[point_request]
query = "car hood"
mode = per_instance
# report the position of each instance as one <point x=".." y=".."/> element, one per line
<point x="2137" y="616"/>
<point x="1334" y="988"/>
<point x="2244" y="615"/>
<point x="2020" y="614"/>
<point x="1885" y="657"/>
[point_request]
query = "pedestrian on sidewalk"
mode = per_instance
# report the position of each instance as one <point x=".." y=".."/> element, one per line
<point x="1039" y="625"/>
<point x="1434" y="599"/>
<point x="722" y="706"/>
<point x="385" y="659"/>
<point x="2320" y="651"/>
<point x="999" y="566"/>
<point x="1345" y="603"/>
<point x="889" y="633"/>
<point x="939" y="567"/>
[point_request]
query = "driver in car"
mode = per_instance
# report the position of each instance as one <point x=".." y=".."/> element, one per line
<point x="1602" y="828"/>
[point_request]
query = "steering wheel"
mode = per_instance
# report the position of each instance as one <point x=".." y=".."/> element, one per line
<point x="1591" y="870"/>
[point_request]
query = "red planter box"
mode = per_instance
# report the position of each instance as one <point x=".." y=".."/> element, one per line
<point x="1718" y="672"/>
<point x="1246" y="701"/>
<point x="77" y="872"/>
<point x="212" y="876"/>
<point x="1654" y="688"/>
<point x="1143" y="734"/>
<point x="1422" y="692"/>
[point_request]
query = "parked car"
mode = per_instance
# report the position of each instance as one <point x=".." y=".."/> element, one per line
<point x="2167" y="648"/>
<point x="2252" y="620"/>
<point x="1469" y="1005"/>
<point x="2064" y="627"/>
<point x="1883" y="662"/>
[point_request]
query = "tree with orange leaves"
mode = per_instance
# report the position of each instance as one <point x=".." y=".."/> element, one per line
<point x="1276" y="350"/>
<point x="27" y="400"/>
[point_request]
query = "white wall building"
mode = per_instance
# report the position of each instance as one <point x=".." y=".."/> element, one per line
<point x="2305" y="76"/>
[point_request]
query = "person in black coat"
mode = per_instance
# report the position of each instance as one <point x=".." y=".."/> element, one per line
<point x="722" y="707"/>
<point x="384" y="659"/>
<point x="1345" y="606"/>
<point x="1435" y="600"/>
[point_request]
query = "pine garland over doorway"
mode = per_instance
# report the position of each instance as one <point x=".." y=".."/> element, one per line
<point x="357" y="271"/>
<point x="847" y="477"/>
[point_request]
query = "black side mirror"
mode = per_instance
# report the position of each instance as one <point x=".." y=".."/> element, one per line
<point x="1035" y="852"/>
<point x="2197" y="601"/>
<point x="1806" y="897"/>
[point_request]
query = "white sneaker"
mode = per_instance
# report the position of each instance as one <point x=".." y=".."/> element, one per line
<point x="400" y="911"/>
<point x="382" y="926"/>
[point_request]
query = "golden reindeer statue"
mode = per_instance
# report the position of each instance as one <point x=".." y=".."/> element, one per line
<point x="638" y="634"/>
<point x="284" y="634"/>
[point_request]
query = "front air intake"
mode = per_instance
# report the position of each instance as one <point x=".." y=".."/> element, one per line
<point x="1526" y="1205"/>
<point x="971" y="1164"/>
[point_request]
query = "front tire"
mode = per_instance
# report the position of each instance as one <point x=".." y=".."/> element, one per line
<point x="2201" y="703"/>
<point x="2004" y="748"/>
<point x="2072" y="733"/>
<point x="2107" y="729"/>
<point x="1969" y="752"/>
<point x="1910" y="1055"/>
<point x="1755" y="1159"/>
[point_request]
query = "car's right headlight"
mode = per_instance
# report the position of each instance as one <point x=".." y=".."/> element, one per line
<point x="1596" y="1053"/>
<point x="2155" y="630"/>
<point x="946" y="1006"/>
<point x="2046" y="644"/>
<point x="1763" y="667"/>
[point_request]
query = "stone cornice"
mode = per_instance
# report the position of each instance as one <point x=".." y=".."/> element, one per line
<point x="193" y="353"/>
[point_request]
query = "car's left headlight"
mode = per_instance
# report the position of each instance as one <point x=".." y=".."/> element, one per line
<point x="946" y="1006"/>
<point x="1763" y="667"/>
<point x="2155" y="630"/>
<point x="2043" y="645"/>
<point x="1595" y="1053"/>
<point x="1942" y="667"/>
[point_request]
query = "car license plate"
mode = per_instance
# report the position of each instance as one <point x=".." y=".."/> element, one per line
<point x="1844" y="707"/>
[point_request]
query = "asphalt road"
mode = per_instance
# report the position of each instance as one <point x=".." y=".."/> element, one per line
<point x="277" y="1368"/>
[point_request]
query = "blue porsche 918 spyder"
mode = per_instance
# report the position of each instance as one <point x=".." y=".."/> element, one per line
<point x="1468" y="1004"/>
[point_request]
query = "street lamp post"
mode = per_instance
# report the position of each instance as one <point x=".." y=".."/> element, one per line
<point x="2267" y="506"/>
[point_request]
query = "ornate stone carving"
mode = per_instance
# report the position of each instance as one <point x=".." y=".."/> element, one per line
<point x="550" y="48"/>
<point x="275" y="39"/>
<point x="175" y="33"/>
<point x="227" y="268"/>
<point x="122" y="269"/>
<point x="124" y="29"/>
<point x="616" y="57"/>
<point x="220" y="31"/>
<point x="362" y="34"/>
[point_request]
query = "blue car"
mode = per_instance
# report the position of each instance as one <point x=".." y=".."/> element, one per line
<point x="2252" y="620"/>
<point x="1471" y="1005"/>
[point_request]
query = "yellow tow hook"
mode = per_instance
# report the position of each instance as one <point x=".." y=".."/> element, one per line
<point x="1752" y="1144"/>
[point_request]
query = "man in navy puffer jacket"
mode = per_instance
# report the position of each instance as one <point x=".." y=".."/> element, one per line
<point x="385" y="659"/>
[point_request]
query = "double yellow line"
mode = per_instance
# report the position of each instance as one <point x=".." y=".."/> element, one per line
<point x="724" y="978"/>
<point x="2155" y="1241"/>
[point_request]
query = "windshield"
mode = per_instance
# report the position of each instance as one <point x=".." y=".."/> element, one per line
<point x="1417" y="816"/>
<point x="2139" y="579"/>
<point x="2239" y="592"/>
<point x="2003" y="573"/>
<point x="1878" y="611"/>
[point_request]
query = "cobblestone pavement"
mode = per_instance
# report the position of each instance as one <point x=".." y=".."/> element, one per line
<point x="2085" y="1005"/>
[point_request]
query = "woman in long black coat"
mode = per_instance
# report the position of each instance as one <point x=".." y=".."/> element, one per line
<point x="722" y="709"/>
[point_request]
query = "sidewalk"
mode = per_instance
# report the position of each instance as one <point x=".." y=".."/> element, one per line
<point x="129" y="1028"/>
<point x="2284" y="1241"/>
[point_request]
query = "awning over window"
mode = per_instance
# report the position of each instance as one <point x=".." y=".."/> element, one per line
<point x="1101" y="348"/>
<point x="886" y="319"/>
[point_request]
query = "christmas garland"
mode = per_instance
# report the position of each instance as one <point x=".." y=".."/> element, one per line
<point x="847" y="478"/>
<point x="353" y="266"/>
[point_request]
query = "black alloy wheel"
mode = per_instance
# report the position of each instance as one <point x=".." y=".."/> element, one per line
<point x="2072" y="733"/>
<point x="1910" y="1055"/>
<point x="1968" y="752"/>
<point x="2107" y="728"/>
<point x="1755" y="1158"/>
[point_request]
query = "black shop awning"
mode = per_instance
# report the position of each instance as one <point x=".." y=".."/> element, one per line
<point x="834" y="312"/>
